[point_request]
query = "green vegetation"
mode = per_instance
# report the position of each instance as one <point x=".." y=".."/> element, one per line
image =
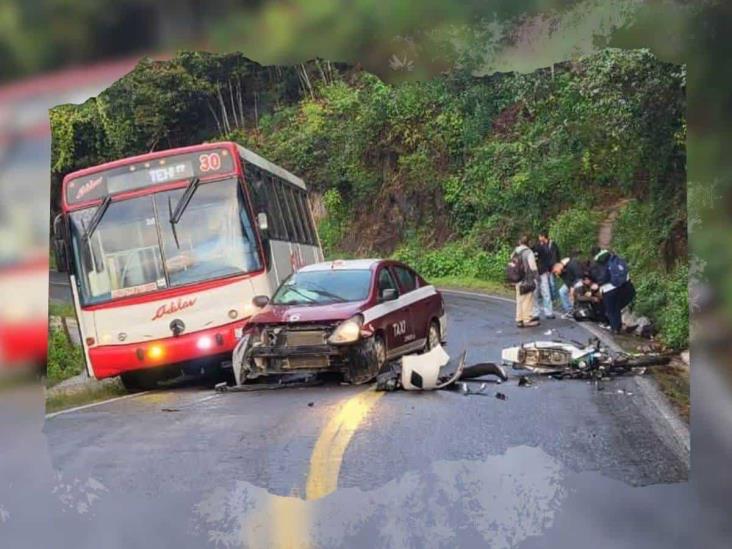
<point x="61" y="309"/>
<point x="652" y="238"/>
<point x="443" y="173"/>
<point x="64" y="358"/>
<point x="61" y="400"/>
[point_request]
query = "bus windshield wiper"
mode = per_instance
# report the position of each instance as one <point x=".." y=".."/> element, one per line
<point x="97" y="217"/>
<point x="181" y="206"/>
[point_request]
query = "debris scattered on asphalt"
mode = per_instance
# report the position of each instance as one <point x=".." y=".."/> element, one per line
<point x="276" y="382"/>
<point x="170" y="409"/>
<point x="484" y="369"/>
<point x="311" y="404"/>
<point x="466" y="390"/>
<point x="524" y="381"/>
<point x="548" y="332"/>
<point x="423" y="372"/>
<point x="501" y="396"/>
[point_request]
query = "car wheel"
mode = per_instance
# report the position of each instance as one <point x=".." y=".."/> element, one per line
<point x="366" y="361"/>
<point x="433" y="336"/>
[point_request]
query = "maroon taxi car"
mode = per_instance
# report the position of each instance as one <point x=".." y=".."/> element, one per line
<point x="348" y="316"/>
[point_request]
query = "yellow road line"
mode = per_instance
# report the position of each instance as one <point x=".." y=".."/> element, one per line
<point x="327" y="456"/>
<point x="289" y="523"/>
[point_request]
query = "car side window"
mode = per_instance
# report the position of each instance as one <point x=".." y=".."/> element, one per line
<point x="386" y="282"/>
<point x="407" y="279"/>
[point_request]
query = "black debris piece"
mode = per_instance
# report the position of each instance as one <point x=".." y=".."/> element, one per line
<point x="501" y="396"/>
<point x="311" y="404"/>
<point x="524" y="381"/>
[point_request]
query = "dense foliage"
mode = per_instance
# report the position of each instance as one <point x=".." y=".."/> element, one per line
<point x="445" y="173"/>
<point x="64" y="358"/>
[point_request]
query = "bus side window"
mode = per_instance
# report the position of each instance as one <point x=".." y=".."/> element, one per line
<point x="277" y="221"/>
<point x="302" y="202"/>
<point x="286" y="211"/>
<point x="255" y="178"/>
<point x="292" y="195"/>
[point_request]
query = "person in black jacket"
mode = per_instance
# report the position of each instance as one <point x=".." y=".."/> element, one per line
<point x="571" y="271"/>
<point x="547" y="255"/>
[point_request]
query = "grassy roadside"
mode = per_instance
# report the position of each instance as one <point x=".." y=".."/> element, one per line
<point x="61" y="399"/>
<point x="61" y="309"/>
<point x="673" y="380"/>
<point x="473" y="284"/>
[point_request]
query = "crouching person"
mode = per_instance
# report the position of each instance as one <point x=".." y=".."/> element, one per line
<point x="523" y="273"/>
<point x="571" y="271"/>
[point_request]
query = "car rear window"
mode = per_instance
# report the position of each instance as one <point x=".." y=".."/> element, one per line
<point x="322" y="287"/>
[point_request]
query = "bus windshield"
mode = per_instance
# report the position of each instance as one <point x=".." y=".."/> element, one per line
<point x="136" y="249"/>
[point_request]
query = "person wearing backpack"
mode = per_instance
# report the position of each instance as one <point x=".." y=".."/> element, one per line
<point x="617" y="288"/>
<point x="523" y="274"/>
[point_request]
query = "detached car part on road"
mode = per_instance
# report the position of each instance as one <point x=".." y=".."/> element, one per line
<point x="348" y="317"/>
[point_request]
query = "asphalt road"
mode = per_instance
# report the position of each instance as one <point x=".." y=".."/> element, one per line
<point x="554" y="464"/>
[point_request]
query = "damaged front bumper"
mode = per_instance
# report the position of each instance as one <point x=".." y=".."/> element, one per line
<point x="279" y="350"/>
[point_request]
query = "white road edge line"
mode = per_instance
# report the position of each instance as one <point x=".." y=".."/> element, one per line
<point x="477" y="294"/>
<point x="94" y="404"/>
<point x="651" y="393"/>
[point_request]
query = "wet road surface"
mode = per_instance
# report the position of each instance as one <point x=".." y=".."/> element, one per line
<point x="555" y="464"/>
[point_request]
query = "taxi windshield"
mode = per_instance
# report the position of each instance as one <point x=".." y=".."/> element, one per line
<point x="323" y="287"/>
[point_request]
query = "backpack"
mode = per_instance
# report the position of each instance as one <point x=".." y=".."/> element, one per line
<point x="618" y="269"/>
<point x="515" y="269"/>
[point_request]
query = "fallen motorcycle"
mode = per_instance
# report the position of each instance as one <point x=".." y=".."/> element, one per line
<point x="561" y="359"/>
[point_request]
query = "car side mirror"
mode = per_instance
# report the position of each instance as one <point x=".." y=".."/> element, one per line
<point x="260" y="301"/>
<point x="263" y="224"/>
<point x="388" y="294"/>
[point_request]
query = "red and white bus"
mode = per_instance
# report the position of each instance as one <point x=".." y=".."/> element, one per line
<point x="166" y="250"/>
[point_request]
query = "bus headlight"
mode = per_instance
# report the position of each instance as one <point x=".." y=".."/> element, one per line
<point x="348" y="331"/>
<point x="204" y="343"/>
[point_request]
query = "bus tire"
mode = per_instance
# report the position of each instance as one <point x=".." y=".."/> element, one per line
<point x="140" y="380"/>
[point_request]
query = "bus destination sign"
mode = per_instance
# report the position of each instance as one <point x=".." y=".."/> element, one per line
<point x="148" y="173"/>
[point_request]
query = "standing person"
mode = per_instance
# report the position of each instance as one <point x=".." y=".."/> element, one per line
<point x="547" y="255"/>
<point x="522" y="272"/>
<point x="571" y="271"/>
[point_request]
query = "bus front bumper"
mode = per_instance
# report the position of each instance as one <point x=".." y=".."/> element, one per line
<point x="112" y="360"/>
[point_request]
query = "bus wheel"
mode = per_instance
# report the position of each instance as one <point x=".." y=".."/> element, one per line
<point x="140" y="380"/>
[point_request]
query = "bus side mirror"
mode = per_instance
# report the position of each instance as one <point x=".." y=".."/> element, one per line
<point x="260" y="301"/>
<point x="59" y="245"/>
<point x="263" y="224"/>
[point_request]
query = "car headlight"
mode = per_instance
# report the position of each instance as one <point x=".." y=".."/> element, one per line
<point x="348" y="331"/>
